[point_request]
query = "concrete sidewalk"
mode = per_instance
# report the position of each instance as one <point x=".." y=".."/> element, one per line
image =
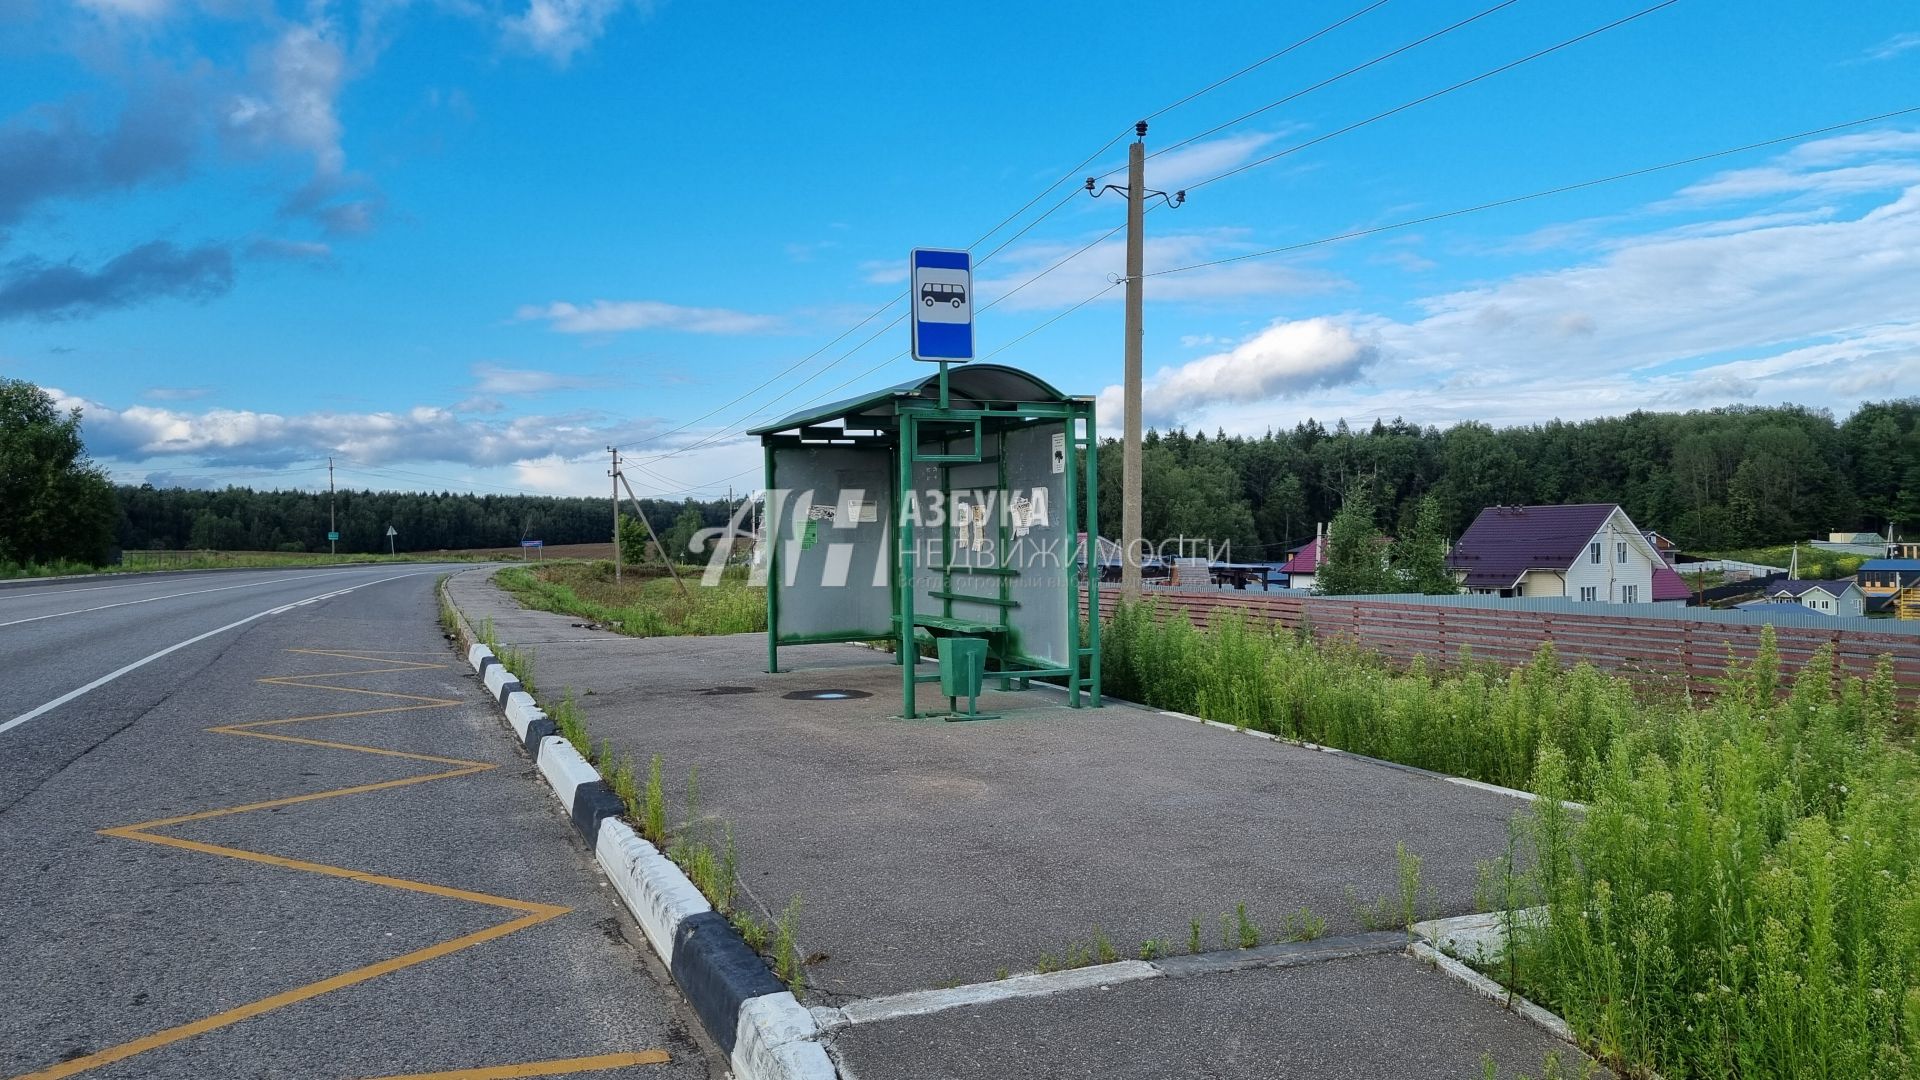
<point x="929" y="854"/>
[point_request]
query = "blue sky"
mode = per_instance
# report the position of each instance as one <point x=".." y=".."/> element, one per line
<point x="468" y="243"/>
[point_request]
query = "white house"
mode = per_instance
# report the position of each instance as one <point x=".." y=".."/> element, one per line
<point x="1826" y="597"/>
<point x="1589" y="552"/>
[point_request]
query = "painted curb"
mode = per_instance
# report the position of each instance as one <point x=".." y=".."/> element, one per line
<point x="765" y="1031"/>
<point x="1494" y="789"/>
<point x="1436" y="940"/>
<point x="500" y="683"/>
<point x="650" y="885"/>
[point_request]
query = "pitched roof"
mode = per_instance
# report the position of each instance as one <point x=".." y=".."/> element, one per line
<point x="1304" y="560"/>
<point x="1668" y="584"/>
<point x="1507" y="541"/>
<point x="1803" y="587"/>
<point x="1773" y="606"/>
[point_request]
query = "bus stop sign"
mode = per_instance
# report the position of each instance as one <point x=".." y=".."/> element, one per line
<point x="941" y="291"/>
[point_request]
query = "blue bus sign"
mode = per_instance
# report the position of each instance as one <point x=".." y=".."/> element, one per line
<point x="940" y="288"/>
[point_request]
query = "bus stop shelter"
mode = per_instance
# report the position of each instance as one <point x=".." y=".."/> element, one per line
<point x="948" y="509"/>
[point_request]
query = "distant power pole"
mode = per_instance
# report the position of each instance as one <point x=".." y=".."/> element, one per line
<point x="1130" y="513"/>
<point x="333" y="530"/>
<point x="615" y="473"/>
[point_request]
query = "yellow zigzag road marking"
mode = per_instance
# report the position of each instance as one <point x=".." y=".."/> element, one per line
<point x="544" y="1068"/>
<point x="532" y="914"/>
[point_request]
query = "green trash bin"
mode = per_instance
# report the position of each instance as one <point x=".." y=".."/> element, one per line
<point x="963" y="666"/>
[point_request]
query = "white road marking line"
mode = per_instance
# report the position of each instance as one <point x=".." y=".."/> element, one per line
<point x="169" y="596"/>
<point x="145" y="660"/>
<point x="24" y="592"/>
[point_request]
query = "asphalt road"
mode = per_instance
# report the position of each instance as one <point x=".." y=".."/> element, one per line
<point x="266" y="824"/>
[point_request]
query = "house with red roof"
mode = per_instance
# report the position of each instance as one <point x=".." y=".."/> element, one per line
<point x="1589" y="552"/>
<point x="1303" y="564"/>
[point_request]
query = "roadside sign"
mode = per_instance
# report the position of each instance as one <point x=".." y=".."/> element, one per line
<point x="391" y="531"/>
<point x="940" y="288"/>
<point x="532" y="543"/>
<point x="333" y="536"/>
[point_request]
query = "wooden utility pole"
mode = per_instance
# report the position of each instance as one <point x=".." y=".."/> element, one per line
<point x="1130" y="511"/>
<point x="615" y="473"/>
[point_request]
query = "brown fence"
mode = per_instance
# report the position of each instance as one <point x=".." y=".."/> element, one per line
<point x="1688" y="653"/>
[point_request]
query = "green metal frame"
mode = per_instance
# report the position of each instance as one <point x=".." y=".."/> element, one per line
<point x="907" y="413"/>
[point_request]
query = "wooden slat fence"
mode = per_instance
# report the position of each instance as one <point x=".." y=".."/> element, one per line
<point x="1687" y="653"/>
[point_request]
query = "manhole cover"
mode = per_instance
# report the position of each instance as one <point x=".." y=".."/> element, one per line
<point x="718" y="691"/>
<point x="825" y="695"/>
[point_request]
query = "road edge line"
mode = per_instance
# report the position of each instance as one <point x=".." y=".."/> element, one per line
<point x="765" y="1031"/>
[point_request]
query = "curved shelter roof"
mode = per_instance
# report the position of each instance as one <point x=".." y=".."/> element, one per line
<point x="969" y="386"/>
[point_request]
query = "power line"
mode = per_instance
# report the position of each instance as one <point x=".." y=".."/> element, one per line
<point x="1509" y="66"/>
<point x="1002" y="246"/>
<point x="1003" y="348"/>
<point x="1329" y="81"/>
<point x="727" y="430"/>
<point x="1264" y="61"/>
<point x="1561" y="190"/>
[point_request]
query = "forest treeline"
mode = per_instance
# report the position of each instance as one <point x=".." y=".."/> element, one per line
<point x="1713" y="479"/>
<point x="241" y="519"/>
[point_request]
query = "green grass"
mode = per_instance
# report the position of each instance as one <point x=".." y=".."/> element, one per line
<point x="1815" y="563"/>
<point x="640" y="606"/>
<point x="140" y="562"/>
<point x="1741" y="895"/>
<point x="56" y="568"/>
<point x="1471" y="720"/>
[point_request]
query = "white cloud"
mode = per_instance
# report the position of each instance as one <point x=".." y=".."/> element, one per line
<point x="1863" y="161"/>
<point x="1894" y="46"/>
<point x="559" y="28"/>
<point x="1085" y="274"/>
<point x="1286" y="358"/>
<point x="884" y="271"/>
<point x="614" y="316"/>
<point x="494" y="379"/>
<point x="299" y="79"/>
<point x="138" y="9"/>
<point x="1814" y="307"/>
<point x="1176" y="169"/>
<point x="263" y="439"/>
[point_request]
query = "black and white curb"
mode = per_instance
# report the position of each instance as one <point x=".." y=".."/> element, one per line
<point x="766" y="1032"/>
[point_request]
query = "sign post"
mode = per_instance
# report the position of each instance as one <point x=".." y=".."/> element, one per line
<point x="940" y="288"/>
<point x="534" y="546"/>
<point x="391" y="533"/>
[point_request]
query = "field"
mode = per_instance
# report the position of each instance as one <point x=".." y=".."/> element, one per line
<point x="145" y="561"/>
<point x="1815" y="563"/>
<point x="646" y="603"/>
<point x="1740" y="896"/>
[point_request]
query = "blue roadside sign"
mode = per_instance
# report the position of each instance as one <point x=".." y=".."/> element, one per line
<point x="333" y="536"/>
<point x="941" y="292"/>
<point x="531" y="543"/>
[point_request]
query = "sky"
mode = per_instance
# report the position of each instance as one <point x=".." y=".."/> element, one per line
<point x="468" y="244"/>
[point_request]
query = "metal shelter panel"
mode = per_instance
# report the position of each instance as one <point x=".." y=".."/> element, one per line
<point x="963" y="488"/>
<point x="829" y="578"/>
<point x="1041" y="534"/>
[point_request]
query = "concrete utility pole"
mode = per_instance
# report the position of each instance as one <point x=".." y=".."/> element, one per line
<point x="1137" y="195"/>
<point x="333" y="530"/>
<point x="1130" y="538"/>
<point x="615" y="473"/>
